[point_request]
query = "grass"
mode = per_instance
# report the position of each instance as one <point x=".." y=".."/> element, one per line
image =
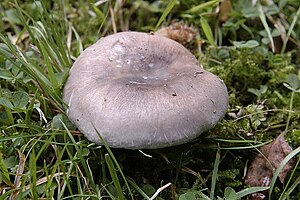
<point x="43" y="156"/>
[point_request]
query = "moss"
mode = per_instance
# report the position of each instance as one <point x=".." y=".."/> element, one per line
<point x="240" y="69"/>
<point x="230" y="178"/>
<point x="245" y="68"/>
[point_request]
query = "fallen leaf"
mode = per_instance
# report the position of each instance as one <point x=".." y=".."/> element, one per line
<point x="177" y="31"/>
<point x="225" y="10"/>
<point x="261" y="169"/>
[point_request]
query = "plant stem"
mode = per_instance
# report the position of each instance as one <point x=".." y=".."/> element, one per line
<point x="290" y="31"/>
<point x="290" y="113"/>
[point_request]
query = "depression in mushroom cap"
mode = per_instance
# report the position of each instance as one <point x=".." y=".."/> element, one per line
<point x="142" y="91"/>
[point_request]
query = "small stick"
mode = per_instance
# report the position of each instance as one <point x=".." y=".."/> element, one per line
<point x="159" y="190"/>
<point x="147" y="155"/>
<point x="113" y="19"/>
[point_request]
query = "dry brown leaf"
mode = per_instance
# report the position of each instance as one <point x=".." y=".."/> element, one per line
<point x="177" y="31"/>
<point x="261" y="169"/>
<point x="225" y="9"/>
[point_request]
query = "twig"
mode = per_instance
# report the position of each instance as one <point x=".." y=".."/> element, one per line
<point x="147" y="155"/>
<point x="42" y="180"/>
<point x="113" y="19"/>
<point x="159" y="190"/>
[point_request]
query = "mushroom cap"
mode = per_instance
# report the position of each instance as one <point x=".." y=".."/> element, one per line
<point x="142" y="91"/>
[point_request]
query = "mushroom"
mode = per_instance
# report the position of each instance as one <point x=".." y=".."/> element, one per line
<point x="142" y="91"/>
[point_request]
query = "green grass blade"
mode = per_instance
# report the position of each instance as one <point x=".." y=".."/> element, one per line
<point x="6" y="194"/>
<point x="82" y="160"/>
<point x="29" y="67"/>
<point x="250" y="146"/>
<point x="250" y="190"/>
<point x="202" y="6"/>
<point x="295" y="19"/>
<point x="100" y="15"/>
<point x="33" y="173"/>
<point x="49" y="68"/>
<point x="66" y="184"/>
<point x="62" y="51"/>
<point x="215" y="174"/>
<point x="207" y="31"/>
<point x="236" y="141"/>
<point x="279" y="169"/>
<point x="165" y="13"/>
<point x="290" y="114"/>
<point x="138" y="189"/>
<point x="48" y="41"/>
<point x="115" y="162"/>
<point x="30" y="108"/>
<point x="291" y="188"/>
<point x="263" y="20"/>
<point x="79" y="46"/>
<point x="114" y="176"/>
<point x="4" y="174"/>
<point x="288" y="189"/>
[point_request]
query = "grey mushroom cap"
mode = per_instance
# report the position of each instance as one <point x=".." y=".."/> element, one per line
<point x="142" y="91"/>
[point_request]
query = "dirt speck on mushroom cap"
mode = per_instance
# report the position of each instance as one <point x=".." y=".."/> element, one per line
<point x="140" y="91"/>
